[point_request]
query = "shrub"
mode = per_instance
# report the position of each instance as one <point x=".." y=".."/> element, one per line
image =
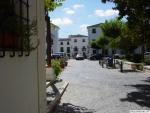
<point x="139" y="66"/>
<point x="56" y="66"/>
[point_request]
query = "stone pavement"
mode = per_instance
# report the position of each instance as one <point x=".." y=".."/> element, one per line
<point x="93" y="89"/>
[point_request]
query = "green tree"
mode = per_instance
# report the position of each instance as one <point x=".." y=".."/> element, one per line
<point x="102" y="42"/>
<point x="50" y="5"/>
<point x="127" y="40"/>
<point x="112" y="29"/>
<point x="94" y="44"/>
<point x="138" y="19"/>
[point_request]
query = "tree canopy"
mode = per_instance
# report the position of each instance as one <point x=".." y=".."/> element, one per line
<point x="102" y="41"/>
<point x="94" y="44"/>
<point x="112" y="28"/>
<point x="137" y="13"/>
<point x="50" y="5"/>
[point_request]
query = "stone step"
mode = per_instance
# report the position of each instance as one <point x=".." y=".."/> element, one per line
<point x="54" y="94"/>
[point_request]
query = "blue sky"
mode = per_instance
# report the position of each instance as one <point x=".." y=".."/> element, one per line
<point x="75" y="15"/>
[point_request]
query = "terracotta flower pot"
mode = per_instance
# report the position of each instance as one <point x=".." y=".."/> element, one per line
<point x="62" y="65"/>
<point x="66" y="63"/>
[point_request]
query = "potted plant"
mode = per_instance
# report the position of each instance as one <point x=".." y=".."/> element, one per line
<point x="53" y="72"/>
<point x="62" y="62"/>
<point x="56" y="67"/>
<point x="66" y="63"/>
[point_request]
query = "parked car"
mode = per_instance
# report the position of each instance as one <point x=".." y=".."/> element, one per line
<point x="95" y="57"/>
<point x="55" y="56"/>
<point x="79" y="57"/>
<point x="118" y="56"/>
<point x="59" y="55"/>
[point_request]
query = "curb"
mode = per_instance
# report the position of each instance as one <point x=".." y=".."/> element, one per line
<point x="53" y="104"/>
<point x="146" y="69"/>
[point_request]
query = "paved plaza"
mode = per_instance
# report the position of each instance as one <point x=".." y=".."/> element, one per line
<point x="93" y="89"/>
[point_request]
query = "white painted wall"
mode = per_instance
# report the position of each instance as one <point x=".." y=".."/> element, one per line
<point x="65" y="45"/>
<point x="79" y="44"/>
<point x="93" y="36"/>
<point x="22" y="79"/>
<point x="55" y="35"/>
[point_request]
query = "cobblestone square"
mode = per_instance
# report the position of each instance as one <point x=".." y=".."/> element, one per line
<point x="93" y="89"/>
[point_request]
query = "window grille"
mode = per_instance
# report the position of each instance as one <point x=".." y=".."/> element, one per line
<point x="14" y="27"/>
<point x="83" y="48"/>
<point x="94" y="30"/>
<point x="75" y="49"/>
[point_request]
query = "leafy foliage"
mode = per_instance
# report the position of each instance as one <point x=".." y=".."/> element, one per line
<point x="112" y="28"/>
<point x="50" y="5"/>
<point x="94" y="44"/>
<point x="56" y="67"/>
<point x="127" y="40"/>
<point x="137" y="13"/>
<point x="102" y="41"/>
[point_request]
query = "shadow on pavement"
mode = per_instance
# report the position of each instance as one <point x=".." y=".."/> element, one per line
<point x="69" y="108"/>
<point x="129" y="71"/>
<point x="141" y="96"/>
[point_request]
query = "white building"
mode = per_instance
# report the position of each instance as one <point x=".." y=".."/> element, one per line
<point x="74" y="44"/>
<point x="65" y="46"/>
<point x="54" y="35"/>
<point x="95" y="31"/>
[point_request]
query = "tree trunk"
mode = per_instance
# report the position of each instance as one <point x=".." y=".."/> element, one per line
<point x="48" y="39"/>
<point x="143" y="51"/>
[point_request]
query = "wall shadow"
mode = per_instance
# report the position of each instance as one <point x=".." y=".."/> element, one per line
<point x="141" y="96"/>
<point x="70" y="108"/>
<point x="130" y="71"/>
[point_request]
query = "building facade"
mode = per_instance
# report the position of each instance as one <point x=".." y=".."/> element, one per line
<point x="95" y="31"/>
<point x="54" y="35"/>
<point x="74" y="44"/>
<point x="65" y="46"/>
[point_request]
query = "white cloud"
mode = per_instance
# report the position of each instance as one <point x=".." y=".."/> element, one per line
<point x="104" y="13"/>
<point x="68" y="11"/>
<point x="83" y="27"/>
<point x="62" y="21"/>
<point x="72" y="9"/>
<point x="76" y="6"/>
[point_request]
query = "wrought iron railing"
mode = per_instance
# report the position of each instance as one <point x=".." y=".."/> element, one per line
<point x="14" y="27"/>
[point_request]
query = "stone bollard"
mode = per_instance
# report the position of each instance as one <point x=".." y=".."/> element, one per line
<point x="121" y="66"/>
<point x="102" y="64"/>
<point x="114" y="63"/>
